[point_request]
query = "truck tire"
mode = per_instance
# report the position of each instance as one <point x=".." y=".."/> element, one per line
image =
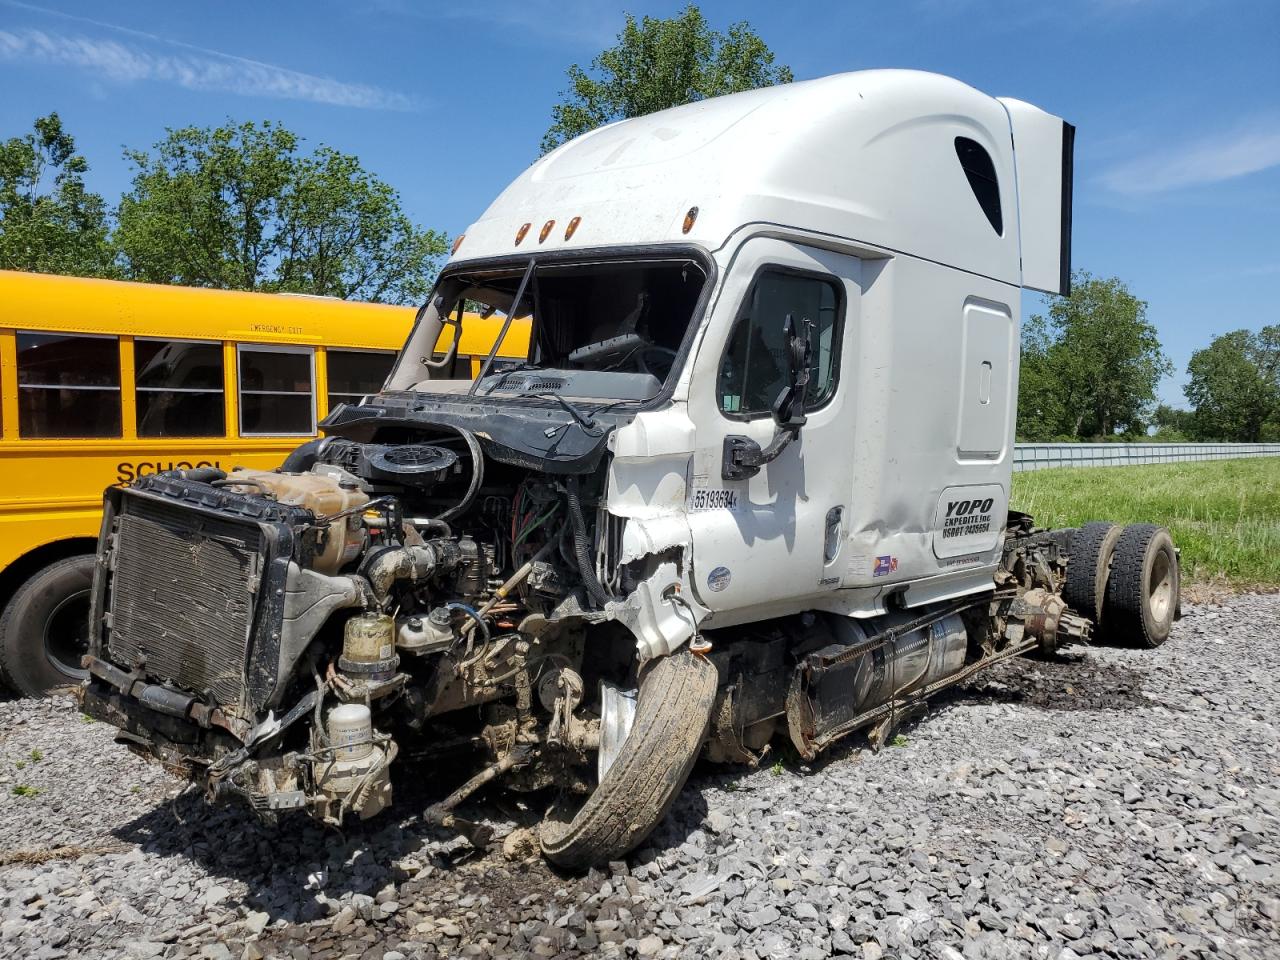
<point x="1091" y="555"/>
<point x="1143" y="592"/>
<point x="673" y="713"/>
<point x="44" y="630"/>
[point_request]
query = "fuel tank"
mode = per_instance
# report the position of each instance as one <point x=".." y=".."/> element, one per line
<point x="866" y="667"/>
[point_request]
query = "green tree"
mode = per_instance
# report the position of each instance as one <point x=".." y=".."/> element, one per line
<point x="49" y="222"/>
<point x="1041" y="415"/>
<point x="345" y="235"/>
<point x="660" y="63"/>
<point x="242" y="207"/>
<point x="1234" y="386"/>
<point x="1173" y="424"/>
<point x="1094" y="364"/>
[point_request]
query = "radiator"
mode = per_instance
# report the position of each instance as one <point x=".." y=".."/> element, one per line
<point x="181" y="596"/>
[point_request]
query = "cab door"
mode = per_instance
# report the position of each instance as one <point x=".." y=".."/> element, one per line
<point x="775" y="538"/>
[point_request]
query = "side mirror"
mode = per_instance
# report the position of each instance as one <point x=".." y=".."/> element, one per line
<point x="743" y="457"/>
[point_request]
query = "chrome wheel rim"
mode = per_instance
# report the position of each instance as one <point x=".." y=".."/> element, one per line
<point x="1160" y="586"/>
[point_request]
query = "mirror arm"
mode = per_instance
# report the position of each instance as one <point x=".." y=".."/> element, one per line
<point x="743" y="457"/>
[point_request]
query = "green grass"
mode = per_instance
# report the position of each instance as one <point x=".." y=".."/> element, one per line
<point x="22" y="790"/>
<point x="1224" y="514"/>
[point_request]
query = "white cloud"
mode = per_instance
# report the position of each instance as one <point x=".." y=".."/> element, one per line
<point x="193" y="69"/>
<point x="1208" y="160"/>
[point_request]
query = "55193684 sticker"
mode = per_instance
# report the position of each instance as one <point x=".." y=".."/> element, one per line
<point x="703" y="498"/>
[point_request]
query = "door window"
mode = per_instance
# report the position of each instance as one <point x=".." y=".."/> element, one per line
<point x="277" y="391"/>
<point x="68" y="385"/>
<point x="179" y="386"/>
<point x="756" y="366"/>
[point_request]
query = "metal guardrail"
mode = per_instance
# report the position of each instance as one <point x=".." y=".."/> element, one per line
<point x="1046" y="456"/>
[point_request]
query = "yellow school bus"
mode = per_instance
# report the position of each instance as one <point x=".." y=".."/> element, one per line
<point x="102" y="382"/>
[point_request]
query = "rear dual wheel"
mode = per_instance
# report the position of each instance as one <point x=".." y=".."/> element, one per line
<point x="1144" y="587"/>
<point x="673" y="712"/>
<point x="1126" y="580"/>
<point x="1092" y="550"/>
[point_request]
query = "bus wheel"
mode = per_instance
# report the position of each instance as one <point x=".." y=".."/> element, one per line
<point x="45" y="628"/>
<point x="672" y="715"/>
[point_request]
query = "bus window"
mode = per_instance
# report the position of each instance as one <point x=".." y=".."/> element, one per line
<point x="68" y="385"/>
<point x="277" y="391"/>
<point x="354" y="374"/>
<point x="179" y="388"/>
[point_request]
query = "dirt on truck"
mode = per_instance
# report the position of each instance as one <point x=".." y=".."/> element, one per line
<point x="750" y="482"/>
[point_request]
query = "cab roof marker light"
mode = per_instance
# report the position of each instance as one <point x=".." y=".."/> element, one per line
<point x="572" y="227"/>
<point x="457" y="243"/>
<point x="689" y="219"/>
<point x="524" y="228"/>
<point x="546" y="230"/>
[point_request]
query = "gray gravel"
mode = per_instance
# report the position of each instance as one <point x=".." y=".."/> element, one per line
<point x="1111" y="803"/>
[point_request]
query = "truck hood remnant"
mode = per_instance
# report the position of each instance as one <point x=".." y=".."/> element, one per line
<point x="520" y="432"/>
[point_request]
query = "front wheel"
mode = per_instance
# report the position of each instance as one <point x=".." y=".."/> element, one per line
<point x="673" y="712"/>
<point x="44" y="631"/>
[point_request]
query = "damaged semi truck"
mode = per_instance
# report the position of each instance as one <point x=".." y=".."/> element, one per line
<point x="751" y="481"/>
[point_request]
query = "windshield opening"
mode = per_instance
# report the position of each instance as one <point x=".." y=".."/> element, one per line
<point x="610" y="329"/>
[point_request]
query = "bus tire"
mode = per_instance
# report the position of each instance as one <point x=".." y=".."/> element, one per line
<point x="1092" y="551"/>
<point x="1143" y="593"/>
<point x="673" y="713"/>
<point x="38" y="654"/>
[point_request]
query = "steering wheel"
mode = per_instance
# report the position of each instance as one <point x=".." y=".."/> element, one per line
<point x="655" y="361"/>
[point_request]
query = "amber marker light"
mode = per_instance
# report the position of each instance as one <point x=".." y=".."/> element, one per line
<point x="457" y="243"/>
<point x="572" y="227"/>
<point x="689" y="219"/>
<point x="546" y="230"/>
<point x="524" y="228"/>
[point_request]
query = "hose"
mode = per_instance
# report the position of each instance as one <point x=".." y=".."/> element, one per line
<point x="582" y="545"/>
<point x="470" y="612"/>
<point x="432" y="523"/>
<point x="498" y="596"/>
<point x="477" y="474"/>
<point x="303" y="458"/>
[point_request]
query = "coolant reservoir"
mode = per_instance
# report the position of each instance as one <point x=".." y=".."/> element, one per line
<point x="351" y="731"/>
<point x="322" y="495"/>
<point x="425" y="634"/>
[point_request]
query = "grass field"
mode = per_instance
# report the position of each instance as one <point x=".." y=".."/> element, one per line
<point x="1224" y="514"/>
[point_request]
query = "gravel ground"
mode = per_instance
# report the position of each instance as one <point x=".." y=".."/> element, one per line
<point x="1110" y="803"/>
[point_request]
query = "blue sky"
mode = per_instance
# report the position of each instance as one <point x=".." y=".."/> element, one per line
<point x="1177" y="104"/>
